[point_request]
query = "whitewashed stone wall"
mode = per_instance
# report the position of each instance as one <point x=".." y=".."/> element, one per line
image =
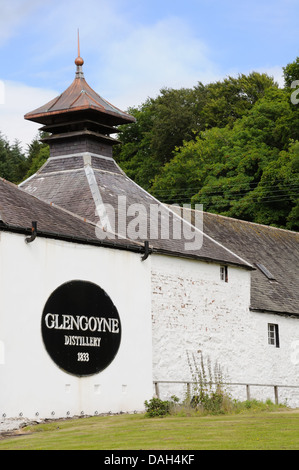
<point x="30" y="382"/>
<point x="193" y="310"/>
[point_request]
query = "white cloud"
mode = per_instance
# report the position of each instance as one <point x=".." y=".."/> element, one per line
<point x="19" y="99"/>
<point x="276" y="72"/>
<point x="99" y="23"/>
<point x="13" y="12"/>
<point x="165" y="54"/>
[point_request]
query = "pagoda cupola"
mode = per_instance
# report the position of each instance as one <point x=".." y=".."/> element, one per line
<point x="79" y="120"/>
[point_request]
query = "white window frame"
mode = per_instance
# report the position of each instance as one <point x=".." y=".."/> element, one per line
<point x="273" y="335"/>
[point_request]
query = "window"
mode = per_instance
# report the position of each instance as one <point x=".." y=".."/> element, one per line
<point x="273" y="336"/>
<point x="224" y="273"/>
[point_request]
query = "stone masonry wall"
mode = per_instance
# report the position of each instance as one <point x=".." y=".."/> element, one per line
<point x="194" y="313"/>
<point x="67" y="147"/>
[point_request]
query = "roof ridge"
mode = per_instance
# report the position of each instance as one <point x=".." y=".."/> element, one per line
<point x="95" y="101"/>
<point x="54" y="101"/>
<point x="248" y="222"/>
<point x="193" y="226"/>
<point x="72" y="214"/>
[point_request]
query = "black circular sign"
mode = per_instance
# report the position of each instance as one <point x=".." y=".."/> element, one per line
<point x="81" y="328"/>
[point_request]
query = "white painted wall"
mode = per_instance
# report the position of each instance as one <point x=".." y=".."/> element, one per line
<point x="193" y="310"/>
<point x="30" y="382"/>
<point x="167" y="306"/>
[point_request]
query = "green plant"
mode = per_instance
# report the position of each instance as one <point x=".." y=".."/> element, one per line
<point x="208" y="387"/>
<point x="157" y="407"/>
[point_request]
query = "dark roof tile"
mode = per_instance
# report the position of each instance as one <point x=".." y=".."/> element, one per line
<point x="18" y="210"/>
<point x="73" y="190"/>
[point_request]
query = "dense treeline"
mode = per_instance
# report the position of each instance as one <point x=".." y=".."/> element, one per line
<point x="17" y="165"/>
<point x="232" y="146"/>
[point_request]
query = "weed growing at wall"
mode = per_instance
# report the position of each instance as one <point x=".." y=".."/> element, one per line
<point x="208" y="394"/>
<point x="214" y="406"/>
<point x="207" y="397"/>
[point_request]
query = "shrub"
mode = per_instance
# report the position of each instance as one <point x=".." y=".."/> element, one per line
<point x="157" y="407"/>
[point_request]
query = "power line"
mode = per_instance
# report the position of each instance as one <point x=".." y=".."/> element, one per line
<point x="291" y="191"/>
<point x="226" y="201"/>
<point x="294" y="185"/>
<point x="233" y="197"/>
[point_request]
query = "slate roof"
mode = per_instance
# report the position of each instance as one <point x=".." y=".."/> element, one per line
<point x="78" y="183"/>
<point x="272" y="251"/>
<point x="81" y="183"/>
<point x="18" y="210"/>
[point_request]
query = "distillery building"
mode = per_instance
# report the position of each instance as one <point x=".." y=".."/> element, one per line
<point x="106" y="293"/>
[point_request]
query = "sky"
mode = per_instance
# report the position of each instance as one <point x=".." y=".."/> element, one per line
<point x="134" y="48"/>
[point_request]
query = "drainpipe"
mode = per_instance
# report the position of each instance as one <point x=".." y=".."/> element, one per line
<point x="146" y="251"/>
<point x="33" y="233"/>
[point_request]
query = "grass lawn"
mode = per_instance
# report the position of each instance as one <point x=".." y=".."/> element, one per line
<point x="255" y="431"/>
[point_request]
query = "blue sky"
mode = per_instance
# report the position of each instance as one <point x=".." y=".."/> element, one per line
<point x="133" y="48"/>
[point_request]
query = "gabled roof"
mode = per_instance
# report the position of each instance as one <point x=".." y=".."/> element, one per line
<point x="82" y="184"/>
<point x="273" y="252"/>
<point x="18" y="210"/>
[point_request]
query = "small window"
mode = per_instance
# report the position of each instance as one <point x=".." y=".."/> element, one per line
<point x="224" y="273"/>
<point x="273" y="335"/>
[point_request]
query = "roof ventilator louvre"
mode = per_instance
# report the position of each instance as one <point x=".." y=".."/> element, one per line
<point x="265" y="271"/>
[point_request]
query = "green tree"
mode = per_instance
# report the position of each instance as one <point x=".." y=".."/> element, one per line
<point x="276" y="198"/>
<point x="228" y="100"/>
<point x="15" y="164"/>
<point x="11" y="160"/>
<point x="176" y="116"/>
<point x="133" y="155"/>
<point x="291" y="73"/>
<point x="225" y="168"/>
<point x="161" y="124"/>
<point x="186" y="173"/>
<point x="38" y="154"/>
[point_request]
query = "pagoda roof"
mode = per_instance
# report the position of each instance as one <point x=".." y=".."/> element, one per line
<point x="79" y="96"/>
